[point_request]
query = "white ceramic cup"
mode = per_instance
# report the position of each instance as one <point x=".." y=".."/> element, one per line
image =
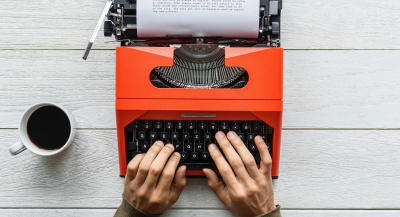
<point x="45" y="129"/>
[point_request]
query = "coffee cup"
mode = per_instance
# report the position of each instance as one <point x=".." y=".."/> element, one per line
<point x="45" y="129"/>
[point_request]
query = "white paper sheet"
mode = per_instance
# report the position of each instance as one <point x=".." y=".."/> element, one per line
<point x="198" y="18"/>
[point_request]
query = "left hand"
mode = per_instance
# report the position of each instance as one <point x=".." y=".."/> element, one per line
<point x="152" y="182"/>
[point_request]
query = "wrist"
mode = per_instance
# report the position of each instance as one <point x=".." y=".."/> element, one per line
<point x="275" y="212"/>
<point x="271" y="207"/>
<point x="133" y="211"/>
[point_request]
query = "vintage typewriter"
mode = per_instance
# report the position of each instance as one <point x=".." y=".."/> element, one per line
<point x="180" y="83"/>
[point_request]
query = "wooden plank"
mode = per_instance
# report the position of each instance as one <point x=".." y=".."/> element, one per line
<point x="341" y="89"/>
<point x="341" y="24"/>
<point x="322" y="89"/>
<point x="341" y="213"/>
<point x="320" y="169"/>
<point x="106" y="212"/>
<point x="194" y="213"/>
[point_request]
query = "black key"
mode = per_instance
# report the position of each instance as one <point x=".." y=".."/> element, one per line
<point x="269" y="137"/>
<point x="252" y="147"/>
<point x="194" y="156"/>
<point x="207" y="136"/>
<point x="199" y="147"/>
<point x="153" y="135"/>
<point x="169" y="125"/>
<point x="144" y="146"/>
<point x="256" y="126"/>
<point x="241" y="136"/>
<point x="191" y="125"/>
<point x="178" y="146"/>
<point x="246" y="125"/>
<point x="132" y="146"/>
<point x="235" y="126"/>
<point x="223" y="125"/>
<point x="205" y="156"/>
<point x="142" y="135"/>
<point x="164" y="136"/>
<point x="184" y="156"/>
<point x="185" y="135"/>
<point x="202" y="125"/>
<point x="196" y="136"/>
<point x="189" y="147"/>
<point x="175" y="136"/>
<point x="250" y="137"/>
<point x="136" y="125"/>
<point x="213" y="125"/>
<point x="179" y="125"/>
<point x="147" y="125"/>
<point x="158" y="125"/>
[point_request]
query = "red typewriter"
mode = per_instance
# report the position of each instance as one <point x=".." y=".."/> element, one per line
<point x="181" y="88"/>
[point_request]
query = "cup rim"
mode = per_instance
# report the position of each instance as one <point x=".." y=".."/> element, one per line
<point x="24" y="135"/>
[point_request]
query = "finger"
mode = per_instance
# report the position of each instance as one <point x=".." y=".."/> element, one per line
<point x="167" y="175"/>
<point x="266" y="161"/>
<point x="217" y="186"/>
<point x="145" y="164"/>
<point x="232" y="156"/>
<point x="157" y="166"/>
<point x="132" y="167"/>
<point x="244" y="153"/>
<point x="224" y="168"/>
<point x="178" y="184"/>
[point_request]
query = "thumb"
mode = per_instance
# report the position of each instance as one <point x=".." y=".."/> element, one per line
<point x="178" y="183"/>
<point x="217" y="186"/>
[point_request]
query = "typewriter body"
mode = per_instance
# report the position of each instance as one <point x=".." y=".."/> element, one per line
<point x="181" y="88"/>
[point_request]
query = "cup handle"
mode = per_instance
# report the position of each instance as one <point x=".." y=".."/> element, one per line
<point x="17" y="148"/>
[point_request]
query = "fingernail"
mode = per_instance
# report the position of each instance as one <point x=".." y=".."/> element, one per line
<point x="171" y="146"/>
<point x="258" y="139"/>
<point x="212" y="147"/>
<point x="159" y="143"/>
<point x="177" y="154"/>
<point x="231" y="135"/>
<point x="220" y="135"/>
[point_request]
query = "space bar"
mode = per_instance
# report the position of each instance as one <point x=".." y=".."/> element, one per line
<point x="198" y="165"/>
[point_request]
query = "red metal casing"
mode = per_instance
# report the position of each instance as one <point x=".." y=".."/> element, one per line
<point x="260" y="99"/>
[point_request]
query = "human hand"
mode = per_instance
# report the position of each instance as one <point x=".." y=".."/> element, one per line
<point x="152" y="182"/>
<point x="250" y="191"/>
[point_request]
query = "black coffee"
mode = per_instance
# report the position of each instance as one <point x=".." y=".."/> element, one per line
<point x="49" y="128"/>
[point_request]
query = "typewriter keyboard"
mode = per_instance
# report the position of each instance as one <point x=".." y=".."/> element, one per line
<point x="191" y="137"/>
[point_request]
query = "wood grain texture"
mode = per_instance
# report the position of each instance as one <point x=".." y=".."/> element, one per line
<point x="306" y="24"/>
<point x="193" y="213"/>
<point x="322" y="89"/>
<point x="320" y="169"/>
<point x="341" y="72"/>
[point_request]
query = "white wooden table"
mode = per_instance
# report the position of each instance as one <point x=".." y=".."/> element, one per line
<point x="341" y="138"/>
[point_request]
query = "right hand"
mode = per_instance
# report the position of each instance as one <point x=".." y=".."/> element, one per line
<point x="250" y="191"/>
